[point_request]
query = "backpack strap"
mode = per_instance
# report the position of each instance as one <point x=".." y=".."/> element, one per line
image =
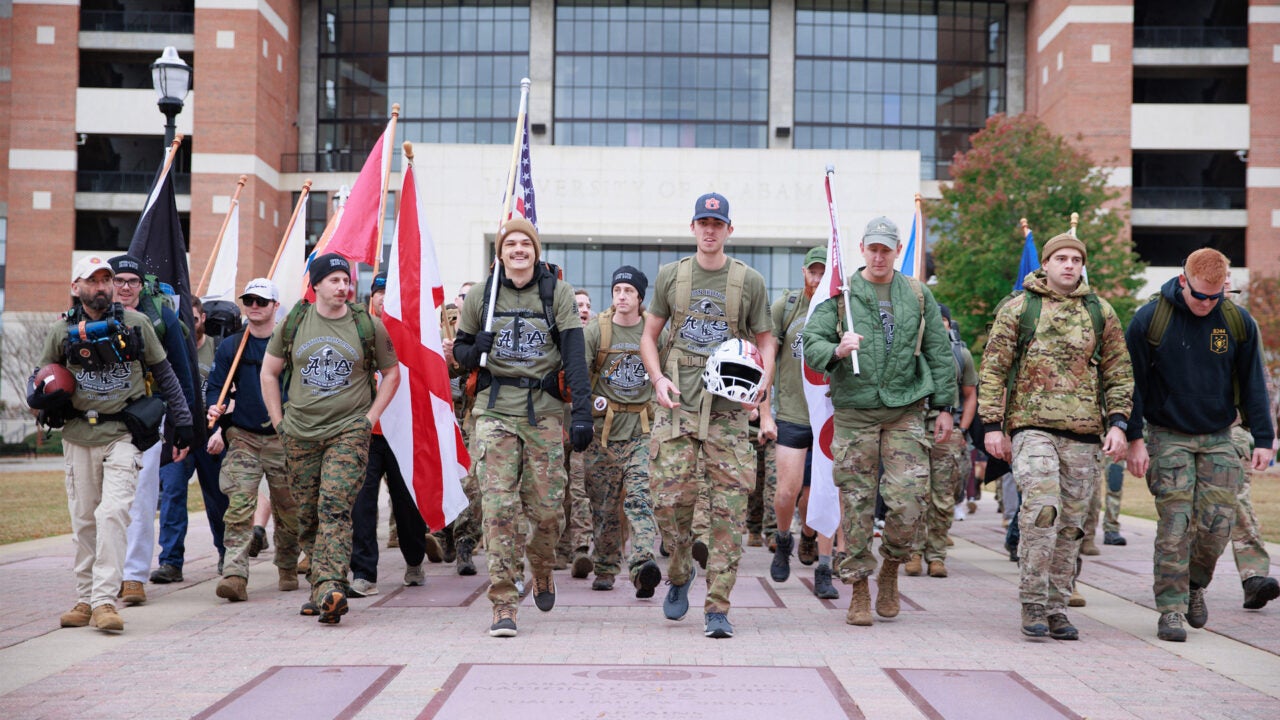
<point x="368" y="344"/>
<point x="793" y="298"/>
<point x="1159" y="321"/>
<point x="733" y="296"/>
<point x="288" y="332"/>
<point x="915" y="286"/>
<point x="605" y="320"/>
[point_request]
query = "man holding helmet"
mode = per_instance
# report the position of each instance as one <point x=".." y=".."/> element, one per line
<point x="880" y="408"/>
<point x="709" y="298"/>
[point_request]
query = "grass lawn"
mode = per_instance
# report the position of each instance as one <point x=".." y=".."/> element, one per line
<point x="34" y="505"/>
<point x="1264" y="492"/>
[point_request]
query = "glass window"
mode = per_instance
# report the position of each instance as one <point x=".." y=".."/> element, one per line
<point x="665" y="72"/>
<point x="455" y="70"/>
<point x="898" y="74"/>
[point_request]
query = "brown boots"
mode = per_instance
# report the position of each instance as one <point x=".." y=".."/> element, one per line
<point x="887" y="605"/>
<point x="915" y="566"/>
<point x="860" y="604"/>
<point x="233" y="588"/>
<point x="288" y="580"/>
<point x="77" y="616"/>
<point x="105" y="617"/>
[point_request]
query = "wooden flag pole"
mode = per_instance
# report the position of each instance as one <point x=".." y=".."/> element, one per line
<point x="525" y="84"/>
<point x="918" y="260"/>
<point x="217" y="244"/>
<point x="173" y="153"/>
<point x="1075" y="220"/>
<point x="1026" y="229"/>
<point x="244" y="338"/>
<point x="844" y="281"/>
<point x="386" y="178"/>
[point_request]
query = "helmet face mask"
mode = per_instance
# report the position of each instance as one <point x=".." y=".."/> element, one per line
<point x="734" y="371"/>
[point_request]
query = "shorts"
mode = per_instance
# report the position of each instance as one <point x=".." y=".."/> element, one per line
<point x="795" y="435"/>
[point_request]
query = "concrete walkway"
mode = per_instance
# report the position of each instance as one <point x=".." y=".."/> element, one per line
<point x="954" y="652"/>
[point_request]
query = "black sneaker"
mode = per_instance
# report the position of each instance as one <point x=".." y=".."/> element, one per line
<point x="1060" y="628"/>
<point x="582" y="566"/>
<point x="466" y="566"/>
<point x="504" y="621"/>
<point x="647" y="578"/>
<point x="602" y="582"/>
<point x="700" y="553"/>
<point x="1197" y="610"/>
<point x="780" y="568"/>
<point x="544" y="593"/>
<point x="258" y="542"/>
<point x="166" y="574"/>
<point x="1111" y="537"/>
<point x="822" y="585"/>
<point x="332" y="607"/>
<point x="1260" y="590"/>
<point x="309" y="609"/>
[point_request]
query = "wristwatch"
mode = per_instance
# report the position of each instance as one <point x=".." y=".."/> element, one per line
<point x="1124" y="426"/>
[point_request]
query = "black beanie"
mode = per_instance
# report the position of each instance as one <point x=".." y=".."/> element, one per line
<point x="379" y="283"/>
<point x="631" y="276"/>
<point x="126" y="264"/>
<point x="944" y="311"/>
<point x="325" y="265"/>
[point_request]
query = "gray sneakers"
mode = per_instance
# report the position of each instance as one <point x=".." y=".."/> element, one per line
<point x="718" y="626"/>
<point x="676" y="604"/>
<point x="414" y="575"/>
<point x="363" y="588"/>
<point x="1170" y="628"/>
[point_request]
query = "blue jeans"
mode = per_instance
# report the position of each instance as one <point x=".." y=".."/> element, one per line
<point x="173" y="503"/>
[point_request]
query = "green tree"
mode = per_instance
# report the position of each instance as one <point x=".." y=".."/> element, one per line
<point x="1017" y="169"/>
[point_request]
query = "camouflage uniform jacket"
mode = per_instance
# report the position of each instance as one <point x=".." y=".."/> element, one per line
<point x="893" y="378"/>
<point x="1056" y="387"/>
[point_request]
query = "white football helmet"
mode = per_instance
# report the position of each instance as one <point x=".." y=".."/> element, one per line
<point x="734" y="371"/>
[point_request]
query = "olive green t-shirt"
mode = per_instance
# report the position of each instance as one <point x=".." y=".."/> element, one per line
<point x="522" y="345"/>
<point x="107" y="390"/>
<point x="700" y="334"/>
<point x="328" y="385"/>
<point x="884" y="298"/>
<point x="622" y="378"/>
<point x="789" y="314"/>
<point x="968" y="376"/>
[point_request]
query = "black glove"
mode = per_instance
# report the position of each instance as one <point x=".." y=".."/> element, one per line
<point x="484" y="341"/>
<point x="52" y="419"/>
<point x="183" y="436"/>
<point x="580" y="434"/>
<point x="39" y="399"/>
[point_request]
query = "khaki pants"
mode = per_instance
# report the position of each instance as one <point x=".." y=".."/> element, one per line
<point x="100" y="485"/>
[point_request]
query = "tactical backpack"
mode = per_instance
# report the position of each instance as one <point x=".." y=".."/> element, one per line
<point x="221" y="319"/>
<point x="605" y="320"/>
<point x="364" y="328"/>
<point x="152" y="299"/>
<point x="554" y="384"/>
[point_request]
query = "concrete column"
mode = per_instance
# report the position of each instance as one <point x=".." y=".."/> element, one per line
<point x="308" y="77"/>
<point x="782" y="72"/>
<point x="1015" y="73"/>
<point x="542" y="41"/>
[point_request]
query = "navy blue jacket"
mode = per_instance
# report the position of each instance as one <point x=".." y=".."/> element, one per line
<point x="175" y="349"/>
<point x="250" y="413"/>
<point x="1186" y="384"/>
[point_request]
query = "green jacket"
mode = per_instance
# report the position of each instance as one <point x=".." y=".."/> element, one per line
<point x="894" y="379"/>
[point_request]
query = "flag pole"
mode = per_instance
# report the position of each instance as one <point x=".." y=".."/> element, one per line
<point x="386" y="178"/>
<point x="173" y="153"/>
<point x="525" y="83"/>
<point x="217" y="244"/>
<point x="918" y="260"/>
<point x="844" y="281"/>
<point x="1026" y="229"/>
<point x="244" y="338"/>
<point x="1075" y="220"/>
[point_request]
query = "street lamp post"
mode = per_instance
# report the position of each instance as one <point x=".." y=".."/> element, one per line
<point x="171" y="78"/>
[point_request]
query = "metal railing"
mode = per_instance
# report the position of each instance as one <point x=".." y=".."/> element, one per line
<point x="1189" y="198"/>
<point x="138" y="21"/>
<point x="329" y="161"/>
<point x="119" y="181"/>
<point x="1157" y="36"/>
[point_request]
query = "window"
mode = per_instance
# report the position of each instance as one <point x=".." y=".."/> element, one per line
<point x="885" y="75"/>
<point x="669" y="74"/>
<point x="454" y="68"/>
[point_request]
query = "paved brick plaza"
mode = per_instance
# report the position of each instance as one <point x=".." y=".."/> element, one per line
<point x="954" y="652"/>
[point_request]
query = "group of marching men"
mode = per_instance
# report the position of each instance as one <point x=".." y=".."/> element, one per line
<point x="661" y="410"/>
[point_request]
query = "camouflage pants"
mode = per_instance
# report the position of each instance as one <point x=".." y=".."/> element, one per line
<point x="761" y="517"/>
<point x="726" y="453"/>
<point x="1108" y="494"/>
<point x="618" y="488"/>
<point x="250" y="456"/>
<point x="324" y="477"/>
<point x="1056" y="476"/>
<point x="576" y="536"/>
<point x="468" y="523"/>
<point x="945" y="461"/>
<point x="1195" y="480"/>
<point x="1252" y="559"/>
<point x="520" y="468"/>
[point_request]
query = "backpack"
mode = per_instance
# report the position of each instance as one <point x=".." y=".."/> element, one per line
<point x="153" y="297"/>
<point x="221" y="319"/>
<point x="1235" y="326"/>
<point x="1027" y="322"/>
<point x="364" y="328"/>
<point x="549" y="274"/>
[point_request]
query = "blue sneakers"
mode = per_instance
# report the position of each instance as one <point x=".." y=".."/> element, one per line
<point x="718" y="626"/>
<point x="677" y="603"/>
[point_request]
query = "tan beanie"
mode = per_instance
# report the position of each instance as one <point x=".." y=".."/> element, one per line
<point x="1060" y="241"/>
<point x="518" y="224"/>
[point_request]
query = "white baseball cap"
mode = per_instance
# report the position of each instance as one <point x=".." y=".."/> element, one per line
<point x="90" y="265"/>
<point x="263" y="288"/>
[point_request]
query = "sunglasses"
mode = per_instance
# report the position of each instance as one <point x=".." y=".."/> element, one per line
<point x="1204" y="296"/>
<point x="251" y="301"/>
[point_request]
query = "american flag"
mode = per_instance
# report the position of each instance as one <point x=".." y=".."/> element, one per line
<point x="523" y="192"/>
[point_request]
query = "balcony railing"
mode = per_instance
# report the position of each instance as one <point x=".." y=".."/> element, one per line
<point x="137" y="21"/>
<point x="118" y="181"/>
<point x="1155" y="36"/>
<point x="331" y="161"/>
<point x="1189" y="198"/>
